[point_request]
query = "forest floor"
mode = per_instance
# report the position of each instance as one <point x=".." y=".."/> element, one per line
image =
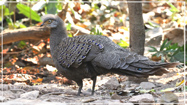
<point x="56" y="94"/>
<point x="45" y="87"/>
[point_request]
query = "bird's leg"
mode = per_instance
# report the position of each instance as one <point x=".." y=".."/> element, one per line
<point x="94" y="81"/>
<point x="79" y="83"/>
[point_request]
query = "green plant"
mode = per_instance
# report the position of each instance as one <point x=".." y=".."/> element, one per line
<point x="123" y="44"/>
<point x="169" y="52"/>
<point x="96" y="30"/>
<point x="68" y="28"/>
<point x="4" y="11"/>
<point x="27" y="11"/>
<point x="17" y="24"/>
<point x="22" y="44"/>
<point x="51" y="7"/>
<point x="173" y="9"/>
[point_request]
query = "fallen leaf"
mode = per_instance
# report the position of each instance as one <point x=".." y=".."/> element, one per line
<point x="168" y="90"/>
<point x="28" y="68"/>
<point x="50" y="68"/>
<point x="179" y="83"/>
<point x="38" y="80"/>
<point x="82" y="25"/>
<point x="5" y="50"/>
<point x="155" y="58"/>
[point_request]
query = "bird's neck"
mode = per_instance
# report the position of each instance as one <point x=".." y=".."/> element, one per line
<point x="57" y="34"/>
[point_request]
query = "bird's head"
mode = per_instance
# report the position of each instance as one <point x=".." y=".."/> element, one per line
<point x="51" y="21"/>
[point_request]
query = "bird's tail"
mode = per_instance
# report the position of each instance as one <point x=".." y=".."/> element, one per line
<point x="145" y="68"/>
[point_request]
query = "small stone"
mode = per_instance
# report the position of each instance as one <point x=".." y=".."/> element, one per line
<point x="147" y="85"/>
<point x="144" y="98"/>
<point x="124" y="84"/>
<point x="89" y="90"/>
<point x="155" y="41"/>
<point x="88" y="100"/>
<point x="30" y="95"/>
<point x="112" y="84"/>
<point x="132" y="87"/>
<point x="10" y="95"/>
<point x="2" y="98"/>
<point x="115" y="96"/>
<point x="136" y="80"/>
<point x="70" y="92"/>
<point x="176" y="35"/>
<point x="169" y="97"/>
<point x="46" y="60"/>
<point x="153" y="36"/>
<point x="20" y="84"/>
<point x="4" y="87"/>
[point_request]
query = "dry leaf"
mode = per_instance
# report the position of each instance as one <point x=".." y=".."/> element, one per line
<point x="155" y="58"/>
<point x="39" y="80"/>
<point x="5" y="51"/>
<point x="82" y="25"/>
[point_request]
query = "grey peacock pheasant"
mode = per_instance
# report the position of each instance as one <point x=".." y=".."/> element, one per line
<point x="88" y="56"/>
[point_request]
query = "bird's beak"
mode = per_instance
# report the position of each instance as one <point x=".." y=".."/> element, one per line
<point x="42" y="24"/>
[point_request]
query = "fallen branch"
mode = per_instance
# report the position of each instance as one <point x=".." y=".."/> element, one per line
<point x="81" y="31"/>
<point x="35" y="33"/>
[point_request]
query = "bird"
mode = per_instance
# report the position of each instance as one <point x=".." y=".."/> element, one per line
<point x="88" y="56"/>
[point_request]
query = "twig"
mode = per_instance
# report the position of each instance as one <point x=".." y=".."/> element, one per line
<point x="76" y="33"/>
<point x="18" y="90"/>
<point x="4" y="58"/>
<point x="53" y="93"/>
<point x="15" y="52"/>
<point x="81" y="30"/>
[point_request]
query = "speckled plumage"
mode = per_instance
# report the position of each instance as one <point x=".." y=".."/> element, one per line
<point x="88" y="56"/>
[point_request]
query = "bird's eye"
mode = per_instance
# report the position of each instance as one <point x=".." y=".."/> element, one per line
<point x="49" y="21"/>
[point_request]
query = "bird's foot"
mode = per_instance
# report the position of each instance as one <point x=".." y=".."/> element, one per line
<point x="78" y="94"/>
<point x="92" y="93"/>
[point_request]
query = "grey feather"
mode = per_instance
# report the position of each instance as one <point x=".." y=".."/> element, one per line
<point x="88" y="56"/>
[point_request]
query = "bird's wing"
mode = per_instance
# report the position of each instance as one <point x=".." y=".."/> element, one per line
<point x="73" y="50"/>
<point x="117" y="59"/>
<point x="128" y="63"/>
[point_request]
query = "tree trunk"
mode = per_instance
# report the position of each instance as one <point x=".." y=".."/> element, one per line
<point x="137" y="31"/>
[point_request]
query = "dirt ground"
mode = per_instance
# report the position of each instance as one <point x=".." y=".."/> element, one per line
<point x="63" y="94"/>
